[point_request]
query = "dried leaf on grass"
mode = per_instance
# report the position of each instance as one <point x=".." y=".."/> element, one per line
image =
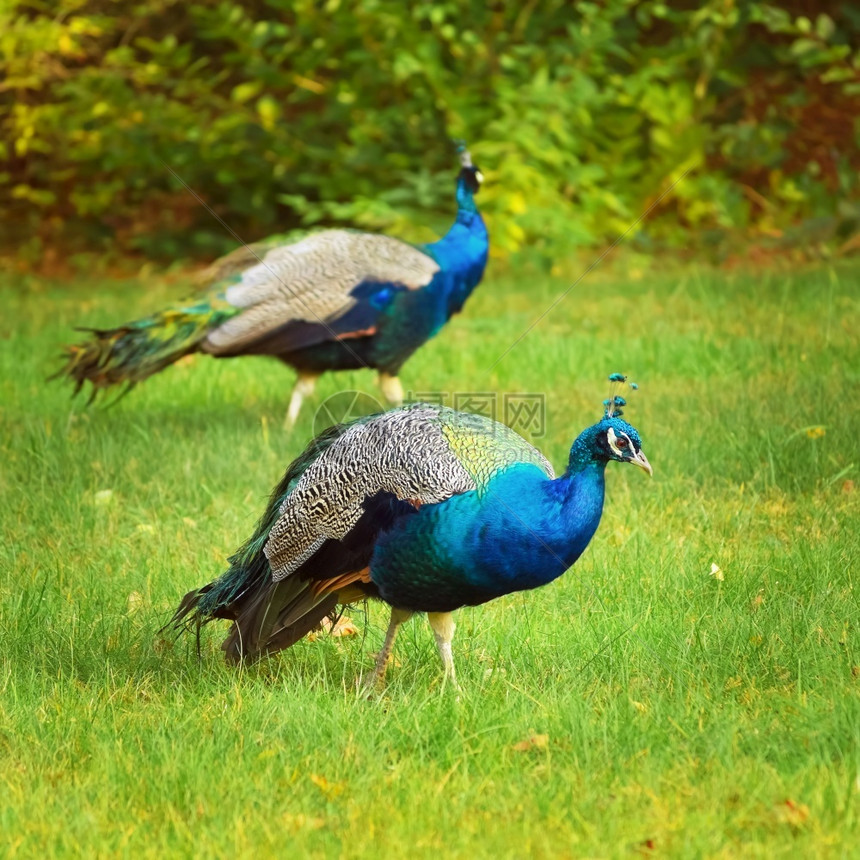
<point x="342" y="627"/>
<point x="300" y="821"/>
<point x="329" y="789"/>
<point x="792" y="813"/>
<point x="532" y="742"/>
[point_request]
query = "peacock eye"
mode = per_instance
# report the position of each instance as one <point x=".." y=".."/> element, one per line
<point x="622" y="442"/>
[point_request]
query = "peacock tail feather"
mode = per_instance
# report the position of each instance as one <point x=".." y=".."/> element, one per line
<point x="249" y="569"/>
<point x="132" y="352"/>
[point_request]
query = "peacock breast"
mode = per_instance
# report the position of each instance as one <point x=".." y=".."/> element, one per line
<point x="411" y="318"/>
<point x="475" y="546"/>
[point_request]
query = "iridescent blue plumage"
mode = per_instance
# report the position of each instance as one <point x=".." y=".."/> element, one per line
<point x="523" y="530"/>
<point x="334" y="300"/>
<point x="462" y="252"/>
<point x="425" y="508"/>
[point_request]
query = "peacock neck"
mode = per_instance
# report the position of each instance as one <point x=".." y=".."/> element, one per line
<point x="466" y="241"/>
<point x="465" y="200"/>
<point x="580" y="490"/>
<point x="462" y="252"/>
<point x="584" y="458"/>
<point x="579" y="494"/>
<point x="540" y="527"/>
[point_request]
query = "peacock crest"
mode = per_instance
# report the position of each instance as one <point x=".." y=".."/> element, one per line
<point x="612" y="406"/>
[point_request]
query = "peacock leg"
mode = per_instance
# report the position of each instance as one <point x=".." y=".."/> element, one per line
<point x="398" y="616"/>
<point x="304" y="387"/>
<point x="443" y="627"/>
<point x="391" y="388"/>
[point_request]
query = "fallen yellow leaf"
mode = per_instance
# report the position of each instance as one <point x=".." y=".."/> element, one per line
<point x="532" y="742"/>
<point x="342" y="627"/>
<point x="301" y="821"/>
<point x="791" y="813"/>
<point x="103" y="497"/>
<point x="329" y="789"/>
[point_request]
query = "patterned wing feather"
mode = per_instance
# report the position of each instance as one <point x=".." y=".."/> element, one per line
<point x="484" y="447"/>
<point x="314" y="280"/>
<point x="232" y="265"/>
<point x="422" y="454"/>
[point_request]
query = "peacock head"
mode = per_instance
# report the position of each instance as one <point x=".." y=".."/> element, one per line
<point x="470" y="174"/>
<point x="615" y="439"/>
<point x="611" y="438"/>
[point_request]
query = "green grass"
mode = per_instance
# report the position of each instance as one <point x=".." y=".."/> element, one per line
<point x="696" y="716"/>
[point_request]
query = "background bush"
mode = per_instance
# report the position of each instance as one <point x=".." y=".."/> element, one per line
<point x="285" y="113"/>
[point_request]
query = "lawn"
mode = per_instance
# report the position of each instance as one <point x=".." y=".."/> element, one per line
<point x="645" y="703"/>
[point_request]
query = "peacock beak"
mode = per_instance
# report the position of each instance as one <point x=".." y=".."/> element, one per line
<point x="641" y="461"/>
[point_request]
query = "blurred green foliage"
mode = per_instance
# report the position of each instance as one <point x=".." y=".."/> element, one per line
<point x="288" y="113"/>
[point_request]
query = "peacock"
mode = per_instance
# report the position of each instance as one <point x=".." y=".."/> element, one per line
<point x="334" y="300"/>
<point x="423" y="507"/>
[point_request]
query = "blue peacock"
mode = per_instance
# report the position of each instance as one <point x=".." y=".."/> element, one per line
<point x="334" y="300"/>
<point x="425" y="508"/>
